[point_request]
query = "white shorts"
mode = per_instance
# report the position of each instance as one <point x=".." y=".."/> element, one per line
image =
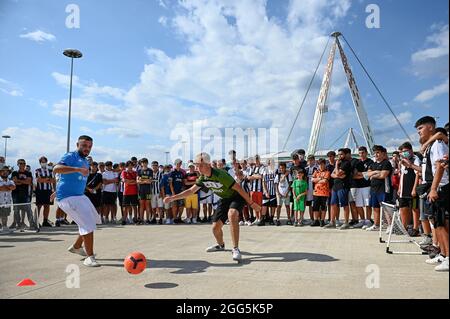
<point x="157" y="201"/>
<point x="283" y="200"/>
<point x="361" y="196"/>
<point x="206" y="198"/>
<point x="81" y="210"/>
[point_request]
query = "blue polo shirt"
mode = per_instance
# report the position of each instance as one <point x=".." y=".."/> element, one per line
<point x="165" y="183"/>
<point x="72" y="184"/>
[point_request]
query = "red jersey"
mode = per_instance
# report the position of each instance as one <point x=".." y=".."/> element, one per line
<point x="129" y="189"/>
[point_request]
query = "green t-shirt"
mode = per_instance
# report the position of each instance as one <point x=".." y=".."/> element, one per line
<point x="300" y="186"/>
<point x="220" y="183"/>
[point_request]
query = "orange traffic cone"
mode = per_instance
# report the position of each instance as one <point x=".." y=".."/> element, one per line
<point x="26" y="282"/>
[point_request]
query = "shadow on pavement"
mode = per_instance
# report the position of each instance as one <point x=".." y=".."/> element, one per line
<point x="199" y="266"/>
<point x="161" y="285"/>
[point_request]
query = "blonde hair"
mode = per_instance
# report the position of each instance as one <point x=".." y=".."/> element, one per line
<point x="203" y="158"/>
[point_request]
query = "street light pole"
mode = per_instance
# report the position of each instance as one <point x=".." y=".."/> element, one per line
<point x="71" y="53"/>
<point x="167" y="158"/>
<point x="6" y="143"/>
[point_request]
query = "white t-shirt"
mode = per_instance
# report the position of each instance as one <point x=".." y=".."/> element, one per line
<point x="437" y="152"/>
<point x="283" y="183"/>
<point x="5" y="196"/>
<point x="110" y="187"/>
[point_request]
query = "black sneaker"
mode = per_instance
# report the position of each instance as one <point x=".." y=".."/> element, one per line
<point x="271" y="222"/>
<point x="153" y="221"/>
<point x="124" y="222"/>
<point x="205" y="220"/>
<point x="262" y="222"/>
<point x="278" y="222"/>
<point x="289" y="222"/>
<point x="46" y="224"/>
<point x="160" y="221"/>
<point x="57" y="223"/>
<point x="147" y="222"/>
<point x="65" y="222"/>
<point x="322" y="223"/>
<point x="316" y="223"/>
<point x="209" y="219"/>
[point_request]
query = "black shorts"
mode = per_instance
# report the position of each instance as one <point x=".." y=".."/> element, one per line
<point x="109" y="198"/>
<point x="96" y="199"/>
<point x="120" y="197"/>
<point x="408" y="202"/>
<point x="320" y="203"/>
<point x="270" y="202"/>
<point x="308" y="203"/>
<point x="130" y="200"/>
<point x="224" y="205"/>
<point x="438" y="211"/>
<point x="43" y="197"/>
<point x="145" y="195"/>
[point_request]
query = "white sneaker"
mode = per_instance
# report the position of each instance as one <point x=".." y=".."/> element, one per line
<point x="436" y="260"/>
<point x="241" y="223"/>
<point x="367" y="224"/>
<point x="443" y="266"/>
<point x="255" y="222"/>
<point x="227" y="222"/>
<point x="91" y="262"/>
<point x="248" y="223"/>
<point x="359" y="225"/>
<point x="338" y="223"/>
<point x="426" y="241"/>
<point x="79" y="251"/>
<point x="237" y="254"/>
<point x="214" y="248"/>
<point x="194" y="220"/>
<point x="373" y="228"/>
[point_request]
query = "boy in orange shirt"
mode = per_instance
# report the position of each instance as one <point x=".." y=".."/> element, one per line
<point x="321" y="193"/>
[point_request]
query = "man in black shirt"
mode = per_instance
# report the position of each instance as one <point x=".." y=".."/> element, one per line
<point x="330" y="167"/>
<point x="380" y="183"/>
<point x="339" y="192"/>
<point x="23" y="179"/>
<point x="360" y="189"/>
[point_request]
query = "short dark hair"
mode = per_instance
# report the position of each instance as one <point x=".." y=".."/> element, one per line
<point x="115" y="166"/>
<point x="311" y="157"/>
<point x="395" y="153"/>
<point x="362" y="149"/>
<point x="144" y="160"/>
<point x="283" y="164"/>
<point x="134" y="158"/>
<point x="425" y="120"/>
<point x="378" y="148"/>
<point x="345" y="150"/>
<point x="94" y="164"/>
<point x="441" y="130"/>
<point x="20" y="160"/>
<point x="301" y="151"/>
<point x="108" y="163"/>
<point x="331" y="153"/>
<point x="348" y="151"/>
<point x="322" y="161"/>
<point x="43" y="159"/>
<point x="446" y="127"/>
<point x="85" y="137"/>
<point x="155" y="163"/>
<point x="295" y="156"/>
<point x="128" y="163"/>
<point x="406" y="145"/>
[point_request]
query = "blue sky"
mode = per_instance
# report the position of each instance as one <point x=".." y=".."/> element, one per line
<point x="150" y="67"/>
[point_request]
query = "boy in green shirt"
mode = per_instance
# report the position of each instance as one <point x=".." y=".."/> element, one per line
<point x="299" y="192"/>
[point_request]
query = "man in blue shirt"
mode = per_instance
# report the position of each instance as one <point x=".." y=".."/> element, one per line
<point x="74" y="170"/>
<point x="176" y="182"/>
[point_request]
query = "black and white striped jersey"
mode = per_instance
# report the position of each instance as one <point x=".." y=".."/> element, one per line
<point x="256" y="185"/>
<point x="156" y="182"/>
<point x="269" y="180"/>
<point x="43" y="173"/>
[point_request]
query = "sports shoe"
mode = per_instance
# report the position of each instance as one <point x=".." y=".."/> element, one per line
<point x="6" y="230"/>
<point x="46" y="224"/>
<point x="79" y="251"/>
<point x="296" y="224"/>
<point x="169" y="221"/>
<point x="367" y="224"/>
<point x="289" y="222"/>
<point x="345" y="226"/>
<point x="271" y="222"/>
<point x="256" y="221"/>
<point x="160" y="221"/>
<point x="241" y="223"/>
<point x="262" y="222"/>
<point x="414" y="233"/>
<point x="436" y="260"/>
<point x="321" y="223"/>
<point x="427" y="240"/>
<point x="315" y="223"/>
<point x="358" y="225"/>
<point x="124" y="222"/>
<point x="91" y="262"/>
<point x="278" y="223"/>
<point x="194" y="220"/>
<point x="216" y="247"/>
<point x="331" y="225"/>
<point x="373" y="228"/>
<point x="57" y="223"/>
<point x="443" y="266"/>
<point x="338" y="223"/>
<point x="237" y="254"/>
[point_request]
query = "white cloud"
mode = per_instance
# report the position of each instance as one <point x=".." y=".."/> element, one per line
<point x="10" y="88"/>
<point x="38" y="36"/>
<point x="387" y="120"/>
<point x="432" y="60"/>
<point x="241" y="69"/>
<point x="430" y="94"/>
<point x="163" y="21"/>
